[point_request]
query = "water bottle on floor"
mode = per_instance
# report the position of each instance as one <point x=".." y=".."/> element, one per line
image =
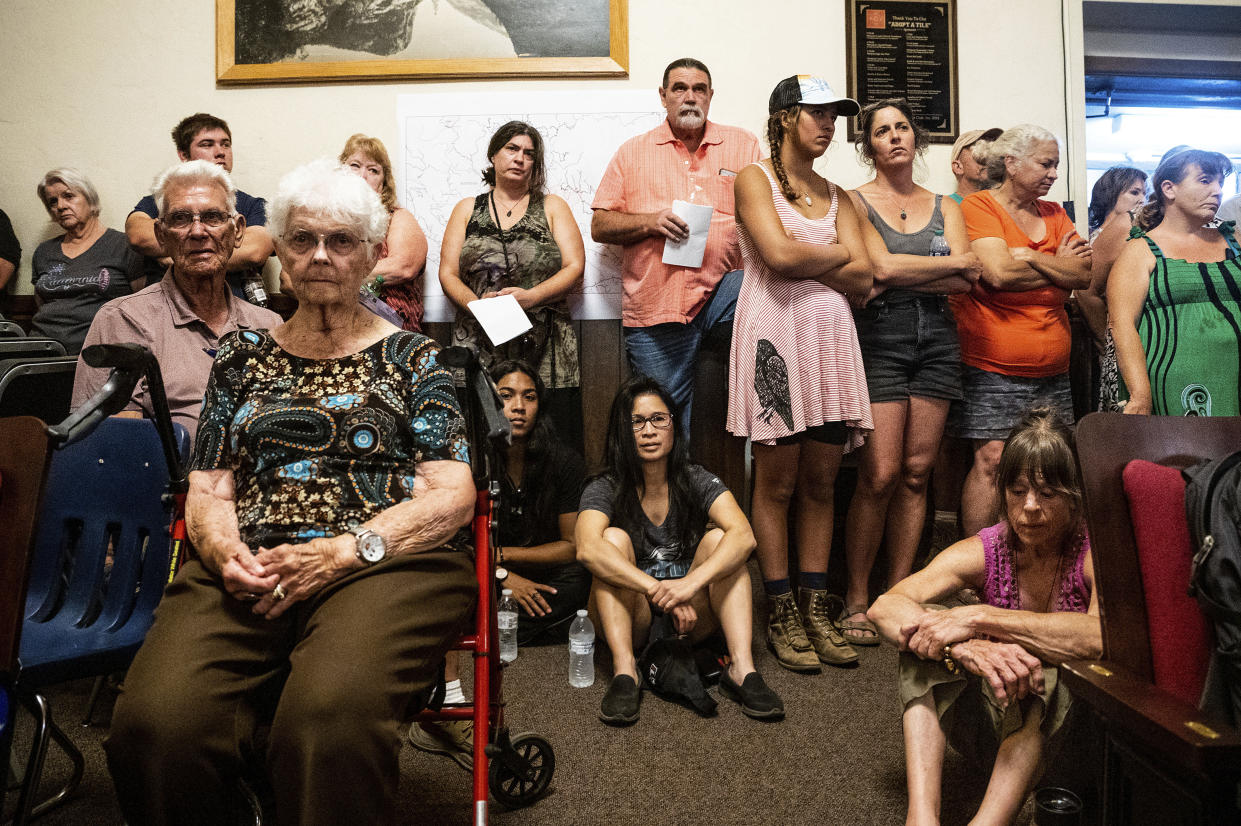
<point x="939" y="244"/>
<point x="581" y="651"/>
<point x="506" y="617"/>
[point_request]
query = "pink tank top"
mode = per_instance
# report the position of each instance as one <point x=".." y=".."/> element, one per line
<point x="1001" y="572"/>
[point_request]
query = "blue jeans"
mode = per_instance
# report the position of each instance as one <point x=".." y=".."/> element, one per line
<point x="668" y="352"/>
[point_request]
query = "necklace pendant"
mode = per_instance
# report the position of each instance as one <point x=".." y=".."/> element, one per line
<point x="808" y="201"/>
<point x="902" y="215"/>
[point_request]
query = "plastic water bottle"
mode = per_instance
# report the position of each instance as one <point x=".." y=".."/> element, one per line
<point x="581" y="651"/>
<point x="506" y="617"/>
<point x="939" y="244"/>
<point x="253" y="288"/>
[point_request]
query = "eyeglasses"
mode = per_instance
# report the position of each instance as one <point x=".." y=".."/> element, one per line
<point x="661" y="421"/>
<point x="183" y="219"/>
<point x="303" y="240"/>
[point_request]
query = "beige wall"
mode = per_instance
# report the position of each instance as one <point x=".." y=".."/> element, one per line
<point x="98" y="84"/>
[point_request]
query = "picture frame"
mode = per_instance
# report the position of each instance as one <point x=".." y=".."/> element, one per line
<point x="906" y="48"/>
<point x="299" y="41"/>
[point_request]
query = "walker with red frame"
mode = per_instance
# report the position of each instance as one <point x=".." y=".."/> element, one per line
<point x="518" y="769"/>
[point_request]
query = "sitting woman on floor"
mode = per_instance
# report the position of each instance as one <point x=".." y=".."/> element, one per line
<point x="642" y="530"/>
<point x="540" y="489"/>
<point x="983" y="676"/>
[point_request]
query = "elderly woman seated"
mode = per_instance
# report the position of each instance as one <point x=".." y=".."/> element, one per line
<point x="984" y="676"/>
<point x="329" y="490"/>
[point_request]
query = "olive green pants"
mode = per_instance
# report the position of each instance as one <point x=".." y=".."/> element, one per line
<point x="341" y="669"/>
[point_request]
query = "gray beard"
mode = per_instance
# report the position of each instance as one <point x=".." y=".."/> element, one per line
<point x="689" y="122"/>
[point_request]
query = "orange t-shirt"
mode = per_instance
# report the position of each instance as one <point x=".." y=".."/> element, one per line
<point x="1022" y="333"/>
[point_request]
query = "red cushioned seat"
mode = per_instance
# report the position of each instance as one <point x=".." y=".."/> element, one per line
<point x="1179" y="633"/>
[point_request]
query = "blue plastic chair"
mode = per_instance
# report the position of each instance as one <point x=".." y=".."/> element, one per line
<point x="98" y="567"/>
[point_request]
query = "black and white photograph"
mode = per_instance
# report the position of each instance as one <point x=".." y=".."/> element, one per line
<point x="279" y="40"/>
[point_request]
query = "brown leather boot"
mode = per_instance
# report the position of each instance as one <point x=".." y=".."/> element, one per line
<point x="816" y="618"/>
<point x="786" y="636"/>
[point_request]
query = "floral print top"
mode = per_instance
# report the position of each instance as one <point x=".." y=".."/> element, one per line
<point x="318" y="446"/>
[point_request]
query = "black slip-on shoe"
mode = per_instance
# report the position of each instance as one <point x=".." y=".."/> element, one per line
<point x="620" y="703"/>
<point x="754" y="696"/>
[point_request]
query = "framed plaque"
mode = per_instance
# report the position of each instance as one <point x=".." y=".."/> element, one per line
<point x="905" y="49"/>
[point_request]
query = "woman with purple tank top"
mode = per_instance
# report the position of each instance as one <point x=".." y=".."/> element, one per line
<point x="983" y="676"/>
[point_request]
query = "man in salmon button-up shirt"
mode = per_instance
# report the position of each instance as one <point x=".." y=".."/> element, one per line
<point x="667" y="310"/>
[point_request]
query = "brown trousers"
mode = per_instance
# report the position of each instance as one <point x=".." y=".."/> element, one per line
<point x="350" y="659"/>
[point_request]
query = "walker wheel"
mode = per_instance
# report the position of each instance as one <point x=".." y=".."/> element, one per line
<point x="521" y="774"/>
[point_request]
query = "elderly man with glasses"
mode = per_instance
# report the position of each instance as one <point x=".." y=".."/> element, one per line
<point x="182" y="317"/>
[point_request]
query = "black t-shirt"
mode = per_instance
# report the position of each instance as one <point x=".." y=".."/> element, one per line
<point x="656" y="547"/>
<point x="518" y="525"/>
<point x="10" y="250"/>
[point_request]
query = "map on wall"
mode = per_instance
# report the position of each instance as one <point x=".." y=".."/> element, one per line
<point x="443" y="147"/>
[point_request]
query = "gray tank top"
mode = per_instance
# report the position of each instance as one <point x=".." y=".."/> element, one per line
<point x="905" y="243"/>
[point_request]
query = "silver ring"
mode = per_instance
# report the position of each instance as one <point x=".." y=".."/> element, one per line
<point x="278" y="593"/>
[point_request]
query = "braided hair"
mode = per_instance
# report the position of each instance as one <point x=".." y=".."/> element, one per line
<point x="775" y="139"/>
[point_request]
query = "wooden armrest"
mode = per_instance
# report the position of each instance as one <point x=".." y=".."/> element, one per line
<point x="1175" y="730"/>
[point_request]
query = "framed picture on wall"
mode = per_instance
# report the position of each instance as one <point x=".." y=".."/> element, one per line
<point x="905" y="49"/>
<point x="288" y="41"/>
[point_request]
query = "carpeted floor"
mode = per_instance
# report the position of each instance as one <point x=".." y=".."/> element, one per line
<point x="837" y="758"/>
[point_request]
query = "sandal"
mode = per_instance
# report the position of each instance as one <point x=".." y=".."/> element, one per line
<point x="858" y="632"/>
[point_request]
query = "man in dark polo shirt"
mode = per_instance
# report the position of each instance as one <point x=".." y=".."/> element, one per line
<point x="204" y="137"/>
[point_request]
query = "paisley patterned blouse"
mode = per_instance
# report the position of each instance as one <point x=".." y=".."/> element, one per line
<point x="320" y="445"/>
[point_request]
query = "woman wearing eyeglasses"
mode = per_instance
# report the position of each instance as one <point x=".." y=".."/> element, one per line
<point x="329" y="490"/>
<point x="642" y="531"/>
<point x="516" y="239"/>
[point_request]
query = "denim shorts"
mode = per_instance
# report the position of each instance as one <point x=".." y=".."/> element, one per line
<point x="909" y="348"/>
<point x="994" y="402"/>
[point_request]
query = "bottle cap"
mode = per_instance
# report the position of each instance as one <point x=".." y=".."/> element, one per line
<point x="581" y="612"/>
<point x="508" y="592"/>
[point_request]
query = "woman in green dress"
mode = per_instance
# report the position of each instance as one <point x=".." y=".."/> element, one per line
<point x="515" y="239"/>
<point x="1174" y="295"/>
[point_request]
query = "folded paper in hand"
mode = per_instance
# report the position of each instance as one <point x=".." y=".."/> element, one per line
<point x="689" y="253"/>
<point x="501" y="318"/>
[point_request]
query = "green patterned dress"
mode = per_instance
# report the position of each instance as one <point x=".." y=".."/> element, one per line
<point x="1190" y="329"/>
<point x="524" y="255"/>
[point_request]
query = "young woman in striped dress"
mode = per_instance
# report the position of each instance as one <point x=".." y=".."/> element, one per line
<point x="798" y="388"/>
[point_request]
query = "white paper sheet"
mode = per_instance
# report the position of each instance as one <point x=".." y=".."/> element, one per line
<point x="502" y="318"/>
<point x="689" y="252"/>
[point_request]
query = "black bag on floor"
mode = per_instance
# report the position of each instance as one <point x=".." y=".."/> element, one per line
<point x="669" y="667"/>
<point x="1213" y="508"/>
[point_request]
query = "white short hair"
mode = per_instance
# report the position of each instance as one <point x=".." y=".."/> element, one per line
<point x="1016" y="142"/>
<point x="74" y="181"/>
<point x="326" y="188"/>
<point x="188" y="173"/>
